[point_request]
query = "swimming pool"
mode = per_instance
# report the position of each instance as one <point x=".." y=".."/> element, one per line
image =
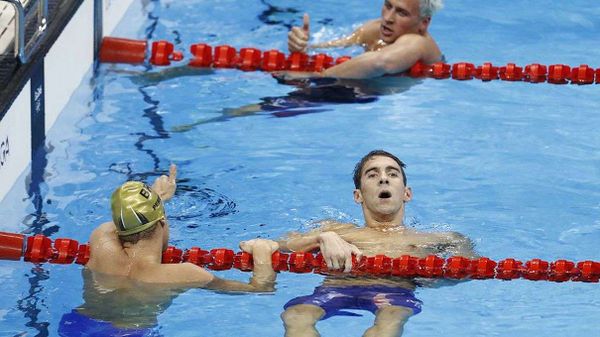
<point x="514" y="166"/>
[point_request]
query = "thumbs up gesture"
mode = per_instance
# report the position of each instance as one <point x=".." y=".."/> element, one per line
<point x="165" y="186"/>
<point x="298" y="36"/>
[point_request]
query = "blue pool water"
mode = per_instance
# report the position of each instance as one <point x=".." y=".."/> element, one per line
<point x="514" y="166"/>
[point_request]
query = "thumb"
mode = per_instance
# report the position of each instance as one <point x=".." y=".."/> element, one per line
<point x="246" y="247"/>
<point x="172" y="173"/>
<point x="305" y="23"/>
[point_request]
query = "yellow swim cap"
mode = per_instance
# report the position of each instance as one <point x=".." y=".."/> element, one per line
<point x="135" y="207"/>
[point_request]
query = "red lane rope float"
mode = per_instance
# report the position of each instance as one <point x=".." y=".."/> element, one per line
<point x="39" y="249"/>
<point x="119" y="50"/>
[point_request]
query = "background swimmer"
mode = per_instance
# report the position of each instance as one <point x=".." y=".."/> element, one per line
<point x="392" y="43"/>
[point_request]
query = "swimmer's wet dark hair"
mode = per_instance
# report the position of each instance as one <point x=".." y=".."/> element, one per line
<point x="359" y="166"/>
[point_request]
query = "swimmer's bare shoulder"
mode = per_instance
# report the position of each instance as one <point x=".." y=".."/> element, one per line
<point x="105" y="249"/>
<point x="102" y="231"/>
<point x="423" y="46"/>
<point x="325" y="226"/>
<point x="369" y="33"/>
<point x="335" y="226"/>
<point x="451" y="243"/>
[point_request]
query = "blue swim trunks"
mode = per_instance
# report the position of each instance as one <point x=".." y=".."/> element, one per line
<point x="76" y="324"/>
<point x="371" y="298"/>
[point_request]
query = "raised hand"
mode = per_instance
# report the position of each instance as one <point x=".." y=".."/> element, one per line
<point x="166" y="186"/>
<point x="298" y="36"/>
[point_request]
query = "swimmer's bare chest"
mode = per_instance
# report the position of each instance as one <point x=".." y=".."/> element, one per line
<point x="392" y="243"/>
<point x="373" y="43"/>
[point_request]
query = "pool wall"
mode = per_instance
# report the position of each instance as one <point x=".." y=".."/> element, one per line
<point x="50" y="85"/>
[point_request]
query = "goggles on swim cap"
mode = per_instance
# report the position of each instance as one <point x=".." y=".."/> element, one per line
<point x="135" y="208"/>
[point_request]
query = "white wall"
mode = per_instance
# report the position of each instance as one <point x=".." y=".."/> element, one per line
<point x="65" y="66"/>
<point x="113" y="13"/>
<point x="68" y="61"/>
<point x="16" y="128"/>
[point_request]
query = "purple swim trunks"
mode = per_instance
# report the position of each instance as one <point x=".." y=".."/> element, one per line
<point x="371" y="298"/>
<point x="75" y="324"/>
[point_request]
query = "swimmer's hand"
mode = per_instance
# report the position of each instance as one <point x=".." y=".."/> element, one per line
<point x="337" y="253"/>
<point x="298" y="36"/>
<point x="261" y="249"/>
<point x="165" y="186"/>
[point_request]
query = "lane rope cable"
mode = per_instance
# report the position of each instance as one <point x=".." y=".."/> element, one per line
<point x="40" y="249"/>
<point x="121" y="50"/>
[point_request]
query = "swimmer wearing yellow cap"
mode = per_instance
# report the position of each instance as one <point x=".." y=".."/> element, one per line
<point x="135" y="208"/>
<point x="131" y="245"/>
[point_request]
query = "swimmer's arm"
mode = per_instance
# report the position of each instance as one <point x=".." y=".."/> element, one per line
<point x="452" y="244"/>
<point x="263" y="275"/>
<point x="393" y="59"/>
<point x="262" y="280"/>
<point x="456" y="244"/>
<point x="296" y="242"/>
<point x="306" y="242"/>
<point x="359" y="36"/>
<point x="336" y="251"/>
<point x="189" y="275"/>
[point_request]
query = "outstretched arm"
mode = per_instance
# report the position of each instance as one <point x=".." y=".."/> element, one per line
<point x="336" y="251"/>
<point x="189" y="275"/>
<point x="263" y="275"/>
<point x="393" y="59"/>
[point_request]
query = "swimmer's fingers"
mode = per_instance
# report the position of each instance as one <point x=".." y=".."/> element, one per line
<point x="292" y="47"/>
<point x="335" y="264"/>
<point x="348" y="264"/>
<point x="274" y="246"/>
<point x="261" y="244"/>
<point x="247" y="246"/>
<point x="354" y="250"/>
<point x="357" y="252"/>
<point x="328" y="258"/>
<point x="172" y="173"/>
<point x="297" y="35"/>
<point x="166" y="186"/>
<point x="306" y="23"/>
<point x="296" y="40"/>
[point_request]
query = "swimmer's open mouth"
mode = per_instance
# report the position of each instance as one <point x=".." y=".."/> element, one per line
<point x="385" y="195"/>
<point x="385" y="30"/>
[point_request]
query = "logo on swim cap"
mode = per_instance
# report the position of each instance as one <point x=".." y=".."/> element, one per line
<point x="135" y="207"/>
